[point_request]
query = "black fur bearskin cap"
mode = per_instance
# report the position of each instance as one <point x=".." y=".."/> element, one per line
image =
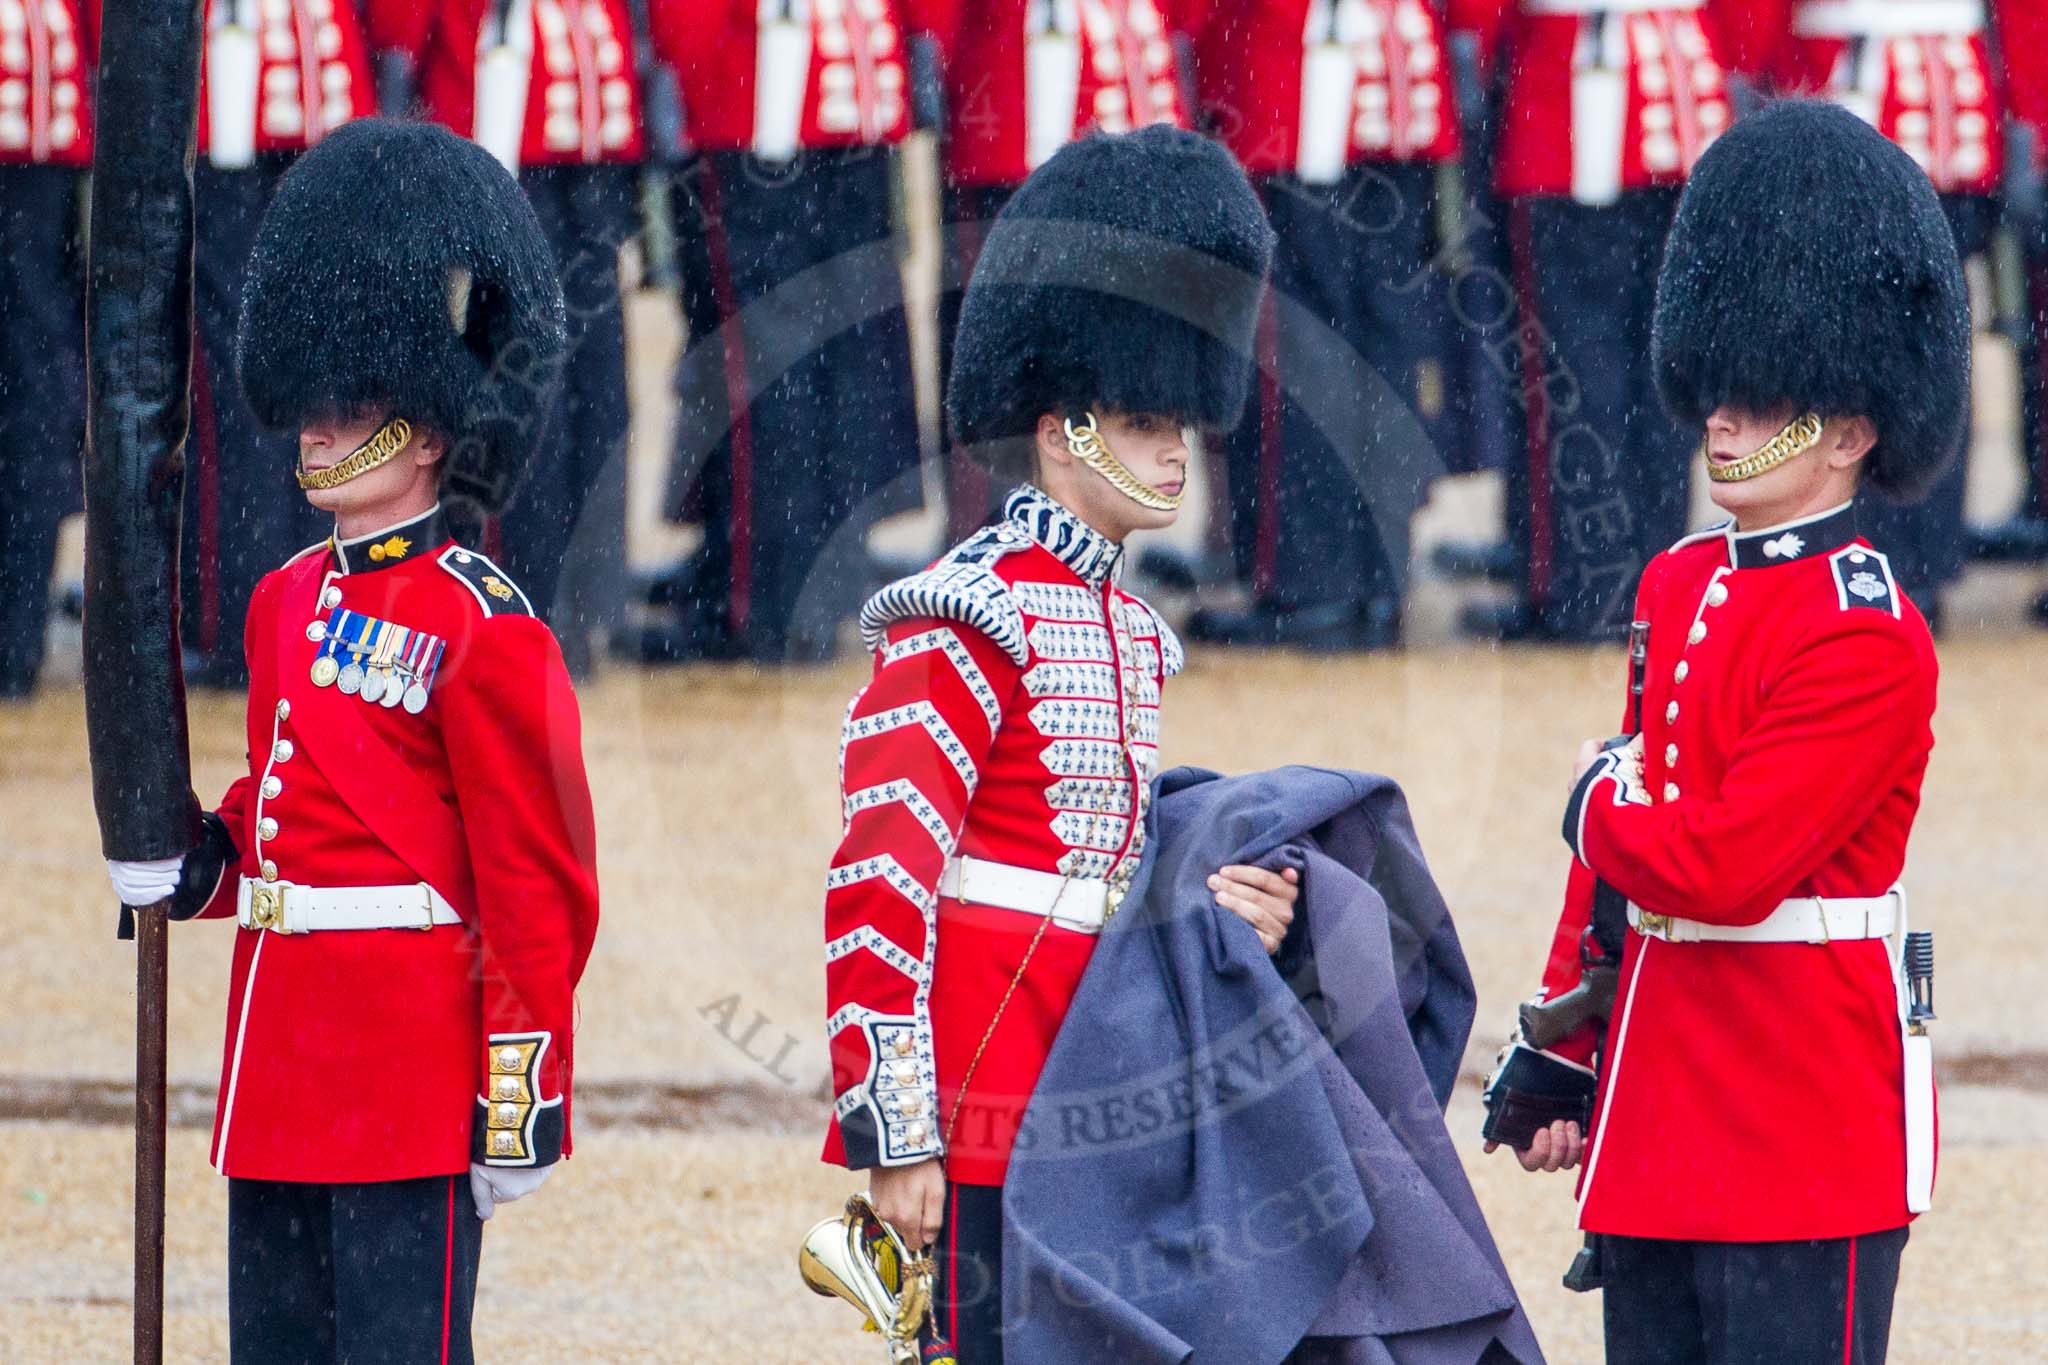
<point x="1124" y="274"/>
<point x="1811" y="265"/>
<point x="401" y="269"/>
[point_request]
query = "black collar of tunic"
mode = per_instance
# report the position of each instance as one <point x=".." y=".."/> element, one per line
<point x="392" y="546"/>
<point x="1820" y="534"/>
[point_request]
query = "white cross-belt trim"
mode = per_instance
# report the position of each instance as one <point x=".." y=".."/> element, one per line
<point x="1888" y="18"/>
<point x="1809" y="919"/>
<point x="310" y="909"/>
<point x="1075" y="903"/>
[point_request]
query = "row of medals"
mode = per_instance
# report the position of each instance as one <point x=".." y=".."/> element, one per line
<point x="381" y="682"/>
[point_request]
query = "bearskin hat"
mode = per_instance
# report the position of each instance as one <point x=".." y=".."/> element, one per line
<point x="1125" y="273"/>
<point x="1811" y="265"/>
<point x="401" y="268"/>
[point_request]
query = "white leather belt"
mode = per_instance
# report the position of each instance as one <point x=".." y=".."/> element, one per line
<point x="1605" y="6"/>
<point x="1809" y="919"/>
<point x="288" y="908"/>
<point x="1888" y="18"/>
<point x="1076" y="903"/>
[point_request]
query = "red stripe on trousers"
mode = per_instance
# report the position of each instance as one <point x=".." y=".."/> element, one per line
<point x="1266" y="541"/>
<point x="448" y="1274"/>
<point x="739" y="412"/>
<point x="1849" y="1312"/>
<point x="206" y="447"/>
<point x="1535" y="404"/>
<point x="953" y="1261"/>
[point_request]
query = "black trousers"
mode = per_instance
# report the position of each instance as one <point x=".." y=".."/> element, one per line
<point x="973" y="494"/>
<point x="798" y="421"/>
<point x="42" y="402"/>
<point x="371" y="1274"/>
<point x="1331" y="457"/>
<point x="244" y="513"/>
<point x="968" y="1306"/>
<point x="1602" y="483"/>
<point x="1826" y="1302"/>
<point x="1925" y="541"/>
<point x="587" y="212"/>
<point x="2033" y="359"/>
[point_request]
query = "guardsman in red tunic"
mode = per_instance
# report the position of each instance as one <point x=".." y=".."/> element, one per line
<point x="1813" y="320"/>
<point x="1344" y="113"/>
<point x="1022" y="79"/>
<point x="46" y="57"/>
<point x="798" y="417"/>
<point x="549" y="88"/>
<point x="997" y="768"/>
<point x="410" y="857"/>
<point x="1607" y="107"/>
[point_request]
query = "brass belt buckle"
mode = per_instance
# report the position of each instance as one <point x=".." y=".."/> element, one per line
<point x="427" y="894"/>
<point x="1652" y="925"/>
<point x="266" y="908"/>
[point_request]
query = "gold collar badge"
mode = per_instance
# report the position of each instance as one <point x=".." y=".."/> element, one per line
<point x="394" y="548"/>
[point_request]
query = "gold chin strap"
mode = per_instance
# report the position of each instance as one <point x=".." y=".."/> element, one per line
<point x="1090" y="449"/>
<point x="380" y="449"/>
<point x="1798" y="436"/>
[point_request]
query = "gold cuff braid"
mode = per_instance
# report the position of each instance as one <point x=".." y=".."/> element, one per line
<point x="380" y="449"/>
<point x="1798" y="436"/>
<point x="1091" y="450"/>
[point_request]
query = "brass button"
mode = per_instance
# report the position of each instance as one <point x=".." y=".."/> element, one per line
<point x="507" y="1087"/>
<point x="1670" y="754"/>
<point x="1671" y="713"/>
<point x="912" y="1107"/>
<point x="1697" y="633"/>
<point x="508" y="1057"/>
<point x="914" y="1134"/>
<point x="1678" y="674"/>
<point x="508" y="1114"/>
<point x="1670" y="791"/>
<point x="266" y="828"/>
<point x="269" y="870"/>
<point x="504" y="1144"/>
<point x="906" y="1075"/>
<point x="282" y="751"/>
<point x="317" y="631"/>
<point x="284" y="709"/>
<point x="1717" y="594"/>
<point x="331" y="598"/>
<point x="272" y="786"/>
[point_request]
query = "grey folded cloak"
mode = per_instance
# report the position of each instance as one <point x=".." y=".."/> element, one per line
<point x="1242" y="1159"/>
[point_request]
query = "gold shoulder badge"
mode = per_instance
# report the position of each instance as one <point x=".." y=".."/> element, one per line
<point x="394" y="548"/>
<point x="495" y="592"/>
<point x="496" y="587"/>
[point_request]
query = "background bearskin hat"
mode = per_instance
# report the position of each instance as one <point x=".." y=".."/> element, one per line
<point x="401" y="269"/>
<point x="1811" y="265"/>
<point x="1124" y="274"/>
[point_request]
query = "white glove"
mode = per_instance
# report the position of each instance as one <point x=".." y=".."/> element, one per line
<point x="491" y="1186"/>
<point x="145" y="883"/>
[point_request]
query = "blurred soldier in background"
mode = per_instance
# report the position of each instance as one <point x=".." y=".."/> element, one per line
<point x="549" y="88"/>
<point x="2023" y="52"/>
<point x="46" y="50"/>
<point x="1344" y="112"/>
<point x="1022" y="78"/>
<point x="1608" y="107"/>
<point x="797" y="411"/>
<point x="1922" y="74"/>
<point x="276" y="76"/>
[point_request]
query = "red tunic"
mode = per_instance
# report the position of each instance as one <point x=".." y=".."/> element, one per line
<point x="1013" y="717"/>
<point x="833" y="72"/>
<point x="1602" y="97"/>
<point x="311" y="73"/>
<point x="1299" y="86"/>
<point x="47" y="51"/>
<point x="2023" y="50"/>
<point x="1753" y="1091"/>
<point x="581" y="101"/>
<point x="360" y="1054"/>
<point x="1024" y="77"/>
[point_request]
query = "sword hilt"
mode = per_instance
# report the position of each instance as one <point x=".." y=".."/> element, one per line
<point x="1920" y="976"/>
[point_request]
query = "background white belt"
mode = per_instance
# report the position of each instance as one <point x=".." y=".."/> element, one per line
<point x="305" y="909"/>
<point x="1809" y="919"/>
<point x="1888" y="18"/>
<point x="1604" y="6"/>
<point x="1073" y="902"/>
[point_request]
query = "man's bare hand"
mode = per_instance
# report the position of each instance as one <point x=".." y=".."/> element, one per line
<point x="1264" y="900"/>
<point x="910" y="1199"/>
<point x="1556" y="1148"/>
